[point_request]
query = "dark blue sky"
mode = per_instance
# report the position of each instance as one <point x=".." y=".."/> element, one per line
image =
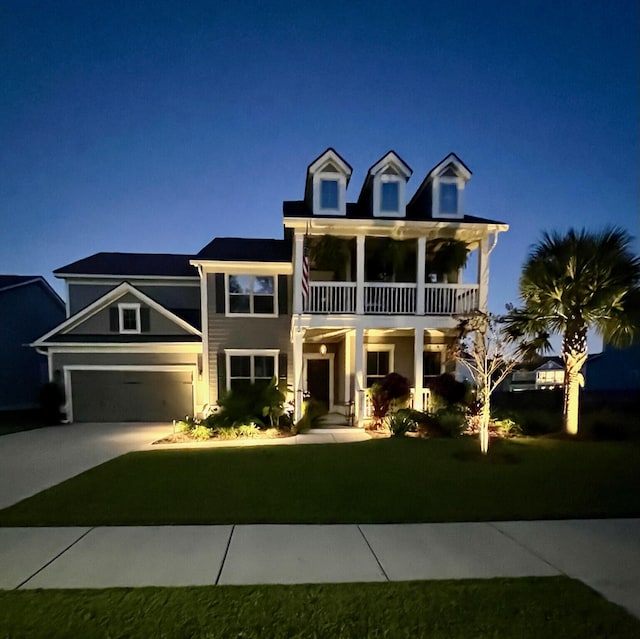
<point x="155" y="126"/>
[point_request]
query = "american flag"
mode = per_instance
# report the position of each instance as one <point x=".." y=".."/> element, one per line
<point x="305" y="275"/>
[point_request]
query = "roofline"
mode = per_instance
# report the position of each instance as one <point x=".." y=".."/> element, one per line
<point x="363" y="223"/>
<point x="283" y="268"/>
<point x="62" y="275"/>
<point x="106" y="299"/>
<point x="34" y="280"/>
<point x="327" y="150"/>
<point x="118" y="346"/>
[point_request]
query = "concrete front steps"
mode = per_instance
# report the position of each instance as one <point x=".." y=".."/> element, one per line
<point x="331" y="421"/>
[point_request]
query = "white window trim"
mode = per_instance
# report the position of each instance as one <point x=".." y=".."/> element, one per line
<point x="227" y="294"/>
<point x="379" y="348"/>
<point x="250" y="352"/>
<point x="342" y="192"/>
<point x="378" y="180"/>
<point x="129" y="307"/>
<point x="460" y="183"/>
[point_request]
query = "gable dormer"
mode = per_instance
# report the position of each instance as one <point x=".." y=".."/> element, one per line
<point x="384" y="191"/>
<point x="441" y="194"/>
<point x="326" y="186"/>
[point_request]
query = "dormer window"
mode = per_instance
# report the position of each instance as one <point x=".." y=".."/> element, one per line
<point x="448" y="198"/>
<point x="327" y="180"/>
<point x="389" y="196"/>
<point x="329" y="194"/>
<point x="384" y="189"/>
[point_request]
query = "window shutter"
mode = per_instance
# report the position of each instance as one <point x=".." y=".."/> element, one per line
<point x="114" y="320"/>
<point x="283" y="295"/>
<point x="222" y="374"/>
<point x="144" y="319"/>
<point x="220" y="293"/>
<point x="282" y="366"/>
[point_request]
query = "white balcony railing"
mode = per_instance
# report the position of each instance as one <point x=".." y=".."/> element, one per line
<point x="331" y="297"/>
<point x="450" y="299"/>
<point x="382" y="298"/>
<point x="392" y="298"/>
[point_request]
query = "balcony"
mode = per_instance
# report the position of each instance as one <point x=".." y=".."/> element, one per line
<point x="389" y="298"/>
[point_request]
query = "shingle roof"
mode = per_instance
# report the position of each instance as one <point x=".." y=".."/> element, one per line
<point x="240" y="249"/>
<point x="299" y="208"/>
<point x="7" y="281"/>
<point x="158" y="264"/>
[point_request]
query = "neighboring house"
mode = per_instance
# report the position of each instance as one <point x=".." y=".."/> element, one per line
<point x="158" y="336"/>
<point x="547" y="376"/>
<point x="28" y="307"/>
<point x="615" y="369"/>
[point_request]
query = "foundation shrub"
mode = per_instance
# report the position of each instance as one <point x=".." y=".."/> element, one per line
<point x="311" y="410"/>
<point x="402" y="422"/>
<point x="201" y="432"/>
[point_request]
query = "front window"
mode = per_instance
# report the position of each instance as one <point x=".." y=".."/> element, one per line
<point x="249" y="368"/>
<point x="448" y="198"/>
<point x="129" y="318"/>
<point x="389" y="196"/>
<point x="431" y="366"/>
<point x="252" y="294"/>
<point x="378" y="366"/>
<point x="329" y="194"/>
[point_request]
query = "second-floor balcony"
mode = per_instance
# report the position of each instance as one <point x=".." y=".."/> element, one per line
<point x="391" y="298"/>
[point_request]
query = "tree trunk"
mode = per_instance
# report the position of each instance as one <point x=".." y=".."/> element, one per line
<point x="574" y="354"/>
<point x="485" y="417"/>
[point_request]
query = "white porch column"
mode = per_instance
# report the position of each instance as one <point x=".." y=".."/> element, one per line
<point x="418" y="348"/>
<point x="348" y="367"/>
<point x="483" y="274"/>
<point x="360" y="382"/>
<point x="298" y="250"/>
<point x="360" y="275"/>
<point x="298" y="390"/>
<point x="420" y="275"/>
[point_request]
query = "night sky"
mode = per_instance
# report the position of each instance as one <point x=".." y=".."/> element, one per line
<point x="155" y="126"/>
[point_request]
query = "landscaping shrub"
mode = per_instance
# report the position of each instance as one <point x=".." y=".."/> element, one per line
<point x="201" y="433"/>
<point x="262" y="404"/>
<point x="311" y="409"/>
<point x="390" y="394"/>
<point x="503" y="428"/>
<point x="451" y="421"/>
<point x="401" y="422"/>
<point x="448" y="391"/>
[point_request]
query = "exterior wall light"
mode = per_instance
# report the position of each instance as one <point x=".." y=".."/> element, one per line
<point x="323" y="349"/>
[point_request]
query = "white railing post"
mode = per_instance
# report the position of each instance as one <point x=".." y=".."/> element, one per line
<point x="420" y="275"/>
<point x="360" y="275"/>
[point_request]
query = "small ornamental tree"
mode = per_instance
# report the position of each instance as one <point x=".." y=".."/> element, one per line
<point x="485" y="352"/>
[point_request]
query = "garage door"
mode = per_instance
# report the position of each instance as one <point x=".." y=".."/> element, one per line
<point x="130" y="396"/>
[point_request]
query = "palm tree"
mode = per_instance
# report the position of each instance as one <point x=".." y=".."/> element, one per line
<point x="571" y="283"/>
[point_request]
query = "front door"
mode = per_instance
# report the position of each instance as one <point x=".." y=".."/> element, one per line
<point x="319" y="380"/>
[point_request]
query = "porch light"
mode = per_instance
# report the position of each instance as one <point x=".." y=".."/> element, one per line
<point x="323" y="349"/>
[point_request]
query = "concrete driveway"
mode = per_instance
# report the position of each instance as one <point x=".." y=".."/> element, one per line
<point x="33" y="460"/>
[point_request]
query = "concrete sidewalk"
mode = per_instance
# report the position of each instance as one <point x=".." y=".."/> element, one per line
<point x="605" y="554"/>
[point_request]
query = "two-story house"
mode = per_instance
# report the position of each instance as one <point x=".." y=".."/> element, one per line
<point x="353" y="291"/>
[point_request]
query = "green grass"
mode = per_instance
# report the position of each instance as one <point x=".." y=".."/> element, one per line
<point x="384" y="480"/>
<point x="523" y="608"/>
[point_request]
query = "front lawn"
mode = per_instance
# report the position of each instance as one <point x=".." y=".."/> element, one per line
<point x="496" y="608"/>
<point x="379" y="481"/>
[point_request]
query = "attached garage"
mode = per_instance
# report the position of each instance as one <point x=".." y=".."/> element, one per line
<point x="131" y="394"/>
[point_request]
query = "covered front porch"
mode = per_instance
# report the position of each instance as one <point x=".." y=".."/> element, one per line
<point x="338" y="365"/>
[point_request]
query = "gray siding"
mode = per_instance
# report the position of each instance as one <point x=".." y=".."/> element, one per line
<point x="244" y="332"/>
<point x="59" y="360"/>
<point x="99" y="324"/>
<point x="81" y="295"/>
<point x="26" y="313"/>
